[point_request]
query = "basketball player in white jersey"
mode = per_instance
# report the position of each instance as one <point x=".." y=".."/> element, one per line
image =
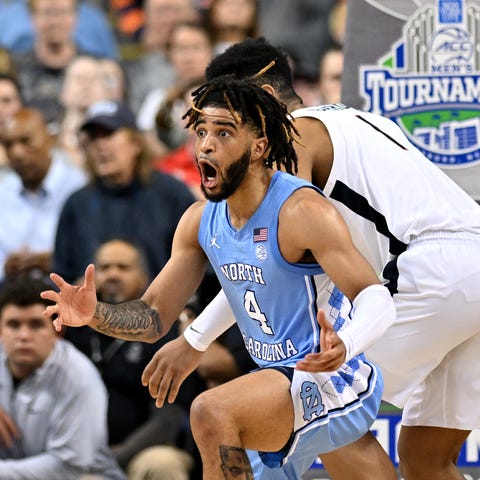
<point x="421" y="233"/>
<point x="280" y="247"/>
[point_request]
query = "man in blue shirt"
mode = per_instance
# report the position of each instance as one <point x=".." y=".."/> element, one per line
<point x="32" y="194"/>
<point x="93" y="33"/>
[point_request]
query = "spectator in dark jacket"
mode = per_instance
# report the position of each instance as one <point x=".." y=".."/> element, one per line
<point x="125" y="197"/>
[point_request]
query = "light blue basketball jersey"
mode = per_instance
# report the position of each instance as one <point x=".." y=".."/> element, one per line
<point x="275" y="302"/>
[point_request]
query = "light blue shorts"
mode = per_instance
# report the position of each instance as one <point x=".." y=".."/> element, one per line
<point x="332" y="409"/>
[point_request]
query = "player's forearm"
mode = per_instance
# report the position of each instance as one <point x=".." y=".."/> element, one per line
<point x="373" y="313"/>
<point x="216" y="318"/>
<point x="133" y="320"/>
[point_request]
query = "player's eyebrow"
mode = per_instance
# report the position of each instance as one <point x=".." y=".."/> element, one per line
<point x="224" y="123"/>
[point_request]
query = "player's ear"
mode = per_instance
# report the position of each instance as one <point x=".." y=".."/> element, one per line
<point x="260" y="148"/>
<point x="268" y="88"/>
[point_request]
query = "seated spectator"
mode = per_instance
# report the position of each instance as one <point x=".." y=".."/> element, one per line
<point x="330" y="75"/>
<point x="10" y="102"/>
<point x="125" y="197"/>
<point x="190" y="51"/>
<point x="33" y="194"/>
<point x="83" y="85"/>
<point x="41" y="70"/>
<point x="52" y="401"/>
<point x="337" y="21"/>
<point x="231" y="21"/>
<point x="92" y="31"/>
<point x="150" y="68"/>
<point x="134" y="423"/>
<point x="87" y="80"/>
<point x="180" y="162"/>
<point x="115" y="79"/>
<point x="306" y="86"/>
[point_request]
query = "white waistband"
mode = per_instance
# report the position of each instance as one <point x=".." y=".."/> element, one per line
<point x="444" y="234"/>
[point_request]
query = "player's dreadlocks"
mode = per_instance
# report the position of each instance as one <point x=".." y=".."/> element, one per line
<point x="251" y="105"/>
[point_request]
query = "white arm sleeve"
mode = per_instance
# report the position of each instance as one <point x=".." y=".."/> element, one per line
<point x="373" y="312"/>
<point x="216" y="318"/>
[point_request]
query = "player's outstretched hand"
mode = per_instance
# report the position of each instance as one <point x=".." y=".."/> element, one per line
<point x="74" y="304"/>
<point x="332" y="350"/>
<point x="168" y="368"/>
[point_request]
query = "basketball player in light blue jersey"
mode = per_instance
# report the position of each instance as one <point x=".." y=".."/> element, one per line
<point x="421" y="234"/>
<point x="272" y="240"/>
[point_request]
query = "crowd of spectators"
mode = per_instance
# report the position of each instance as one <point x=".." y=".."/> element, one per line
<point x="96" y="167"/>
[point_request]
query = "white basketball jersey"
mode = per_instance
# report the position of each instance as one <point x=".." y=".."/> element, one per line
<point x="385" y="189"/>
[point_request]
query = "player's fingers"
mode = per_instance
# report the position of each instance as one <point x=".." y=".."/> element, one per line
<point x="163" y="390"/>
<point x="309" y="364"/>
<point x="152" y="374"/>
<point x="147" y="372"/>
<point x="334" y="355"/>
<point x="315" y="367"/>
<point x="319" y="362"/>
<point x="174" y="388"/>
<point x="322" y="319"/>
<point x="90" y="276"/>
<point x="58" y="280"/>
<point x="306" y="366"/>
<point x="50" y="295"/>
<point x="57" y="324"/>
<point x="325" y="331"/>
<point x="153" y="384"/>
<point x="325" y="325"/>
<point x="50" y="311"/>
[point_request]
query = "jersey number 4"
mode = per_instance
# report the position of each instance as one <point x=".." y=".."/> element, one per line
<point x="254" y="311"/>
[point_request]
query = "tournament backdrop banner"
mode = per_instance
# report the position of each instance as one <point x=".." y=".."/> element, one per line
<point x="418" y="63"/>
<point x="387" y="428"/>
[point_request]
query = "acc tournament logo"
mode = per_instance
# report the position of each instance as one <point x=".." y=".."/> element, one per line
<point x="429" y="82"/>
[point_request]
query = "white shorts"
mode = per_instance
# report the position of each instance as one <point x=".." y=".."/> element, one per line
<point x="429" y="357"/>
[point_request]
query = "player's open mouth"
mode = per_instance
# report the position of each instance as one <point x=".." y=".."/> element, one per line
<point x="208" y="173"/>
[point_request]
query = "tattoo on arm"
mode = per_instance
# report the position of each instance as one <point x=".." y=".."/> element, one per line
<point x="133" y="320"/>
<point x="235" y="463"/>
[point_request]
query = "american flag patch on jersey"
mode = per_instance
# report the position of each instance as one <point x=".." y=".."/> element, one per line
<point x="260" y="234"/>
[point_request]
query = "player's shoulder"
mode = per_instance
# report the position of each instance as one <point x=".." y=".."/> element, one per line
<point x="198" y="205"/>
<point x="322" y="108"/>
<point x="194" y="212"/>
<point x="306" y="215"/>
<point x="312" y="122"/>
<point x="304" y="201"/>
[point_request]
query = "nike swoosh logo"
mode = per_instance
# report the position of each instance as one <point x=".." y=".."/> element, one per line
<point x="195" y="330"/>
